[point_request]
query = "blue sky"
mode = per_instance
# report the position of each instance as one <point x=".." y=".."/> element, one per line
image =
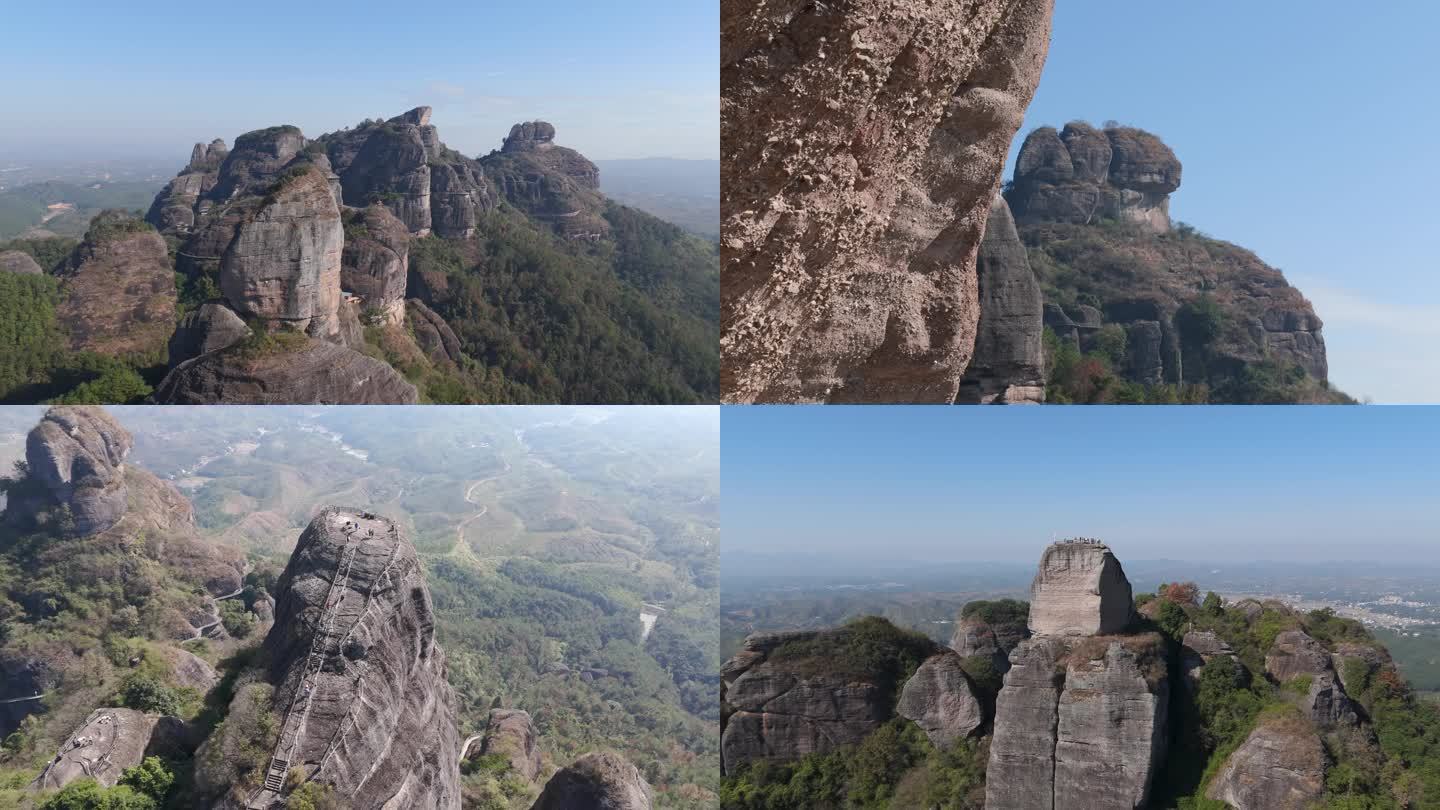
<point x="996" y="484"/>
<point x="632" y="79"/>
<point x="1306" y="128"/>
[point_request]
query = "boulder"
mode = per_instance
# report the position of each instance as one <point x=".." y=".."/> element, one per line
<point x="1079" y="590"/>
<point x="256" y="161"/>
<point x="210" y="328"/>
<point x="119" y="290"/>
<point x="1326" y="703"/>
<point x="601" y="780"/>
<point x="1043" y="158"/>
<point x="314" y="372"/>
<point x="375" y="261"/>
<point x="1280" y="766"/>
<point x="1197" y="649"/>
<point x="1083" y="175"/>
<point x="15" y="261"/>
<point x="1089" y="152"/>
<point x="851" y="224"/>
<point x="941" y="700"/>
<point x="109" y="741"/>
<point x="510" y="733"/>
<point x="1008" y="365"/>
<point x="1295" y="654"/>
<point x="76" y="460"/>
<point x="360" y="687"/>
<point x="189" y="670"/>
<point x="283" y="266"/>
<point x="974" y="636"/>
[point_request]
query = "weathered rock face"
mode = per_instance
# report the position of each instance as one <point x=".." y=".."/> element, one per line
<point x="317" y="372"/>
<point x="941" y="700"/>
<point x="119" y="289"/>
<point x="1294" y="654"/>
<point x="510" y="733"/>
<point x="1021" y="772"/>
<point x="852" y="219"/>
<point x="1111" y="731"/>
<point x="1080" y="590"/>
<point x="1083" y="175"/>
<point x="256" y="161"/>
<point x="1008" y="365"/>
<point x="1079" y="723"/>
<point x="76" y="458"/>
<point x="995" y="640"/>
<point x="402" y="164"/>
<point x="109" y="741"/>
<point x="433" y="335"/>
<point x="14" y="261"/>
<point x="1197" y="649"/>
<point x="376" y="261"/>
<point x="210" y="328"/>
<point x="1280" y="766"/>
<point x="549" y="182"/>
<point x="283" y="266"/>
<point x="174" y="208"/>
<point x="773" y="713"/>
<point x="597" y="781"/>
<point x="360" y="680"/>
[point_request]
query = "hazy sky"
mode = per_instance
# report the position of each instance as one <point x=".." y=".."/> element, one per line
<point x="1304" y="128"/>
<point x="632" y="79"/>
<point x="996" y="484"/>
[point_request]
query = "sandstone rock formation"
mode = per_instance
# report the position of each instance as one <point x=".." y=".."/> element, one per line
<point x="1082" y="718"/>
<point x="510" y="733"/>
<point x="1294" y="654"/>
<point x="1121" y="173"/>
<point x="773" y="713"/>
<point x="109" y="741"/>
<point x="1008" y="364"/>
<point x="210" y="328"/>
<point x="551" y="183"/>
<point x="316" y="372"/>
<point x="402" y="164"/>
<point x="433" y="335"/>
<point x="15" y="261"/>
<point x="1198" y="648"/>
<point x="119" y="289"/>
<point x="1069" y="189"/>
<point x="975" y="635"/>
<point x="360" y="680"/>
<point x="1080" y="590"/>
<point x="1280" y="766"/>
<point x="76" y="461"/>
<point x="376" y="261"/>
<point x="941" y="700"/>
<point x="862" y="146"/>
<point x="174" y="208"/>
<point x="283" y="266"/>
<point x="601" y="780"/>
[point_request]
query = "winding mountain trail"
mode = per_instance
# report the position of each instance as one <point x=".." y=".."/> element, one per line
<point x="461" y="548"/>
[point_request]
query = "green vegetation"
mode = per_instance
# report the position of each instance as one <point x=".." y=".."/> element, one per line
<point x="894" y="767"/>
<point x="1115" y="266"/>
<point x="25" y="207"/>
<point x="871" y="647"/>
<point x="634" y="319"/>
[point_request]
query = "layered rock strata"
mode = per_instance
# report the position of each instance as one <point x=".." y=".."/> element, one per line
<point x="1008" y="364"/>
<point x="1079" y="590"/>
<point x="862" y="148"/>
<point x="360" y="680"/>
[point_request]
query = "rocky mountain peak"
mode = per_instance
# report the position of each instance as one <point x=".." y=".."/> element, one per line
<point x="1079" y="590"/>
<point x="529" y="135"/>
<point x="75" y="458"/>
<point x="420" y="117"/>
<point x="1082" y="174"/>
<point x="360" y="680"/>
